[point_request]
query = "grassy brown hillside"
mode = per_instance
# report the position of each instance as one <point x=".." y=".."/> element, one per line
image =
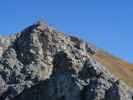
<point x="116" y="66"/>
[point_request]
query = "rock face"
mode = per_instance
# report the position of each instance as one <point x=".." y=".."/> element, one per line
<point x="44" y="64"/>
<point x="5" y="42"/>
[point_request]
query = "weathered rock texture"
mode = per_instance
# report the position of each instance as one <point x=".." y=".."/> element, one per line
<point x="44" y="64"/>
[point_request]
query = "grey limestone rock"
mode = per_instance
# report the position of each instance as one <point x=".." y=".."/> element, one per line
<point x="44" y="64"/>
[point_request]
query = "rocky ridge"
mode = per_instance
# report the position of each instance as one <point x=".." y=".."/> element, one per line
<point x="41" y="63"/>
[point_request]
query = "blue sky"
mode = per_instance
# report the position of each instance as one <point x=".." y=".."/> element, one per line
<point x="106" y="23"/>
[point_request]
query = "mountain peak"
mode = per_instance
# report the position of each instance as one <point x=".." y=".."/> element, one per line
<point x="55" y="66"/>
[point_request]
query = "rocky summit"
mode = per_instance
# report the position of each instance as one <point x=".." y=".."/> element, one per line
<point x="41" y="63"/>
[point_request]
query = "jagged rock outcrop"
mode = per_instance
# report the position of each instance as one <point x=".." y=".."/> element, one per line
<point x="5" y="42"/>
<point x="44" y="64"/>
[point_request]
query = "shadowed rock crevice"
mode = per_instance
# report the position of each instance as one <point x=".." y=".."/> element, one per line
<point x="113" y="93"/>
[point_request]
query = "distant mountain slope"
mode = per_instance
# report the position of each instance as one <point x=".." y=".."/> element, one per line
<point x="116" y="66"/>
